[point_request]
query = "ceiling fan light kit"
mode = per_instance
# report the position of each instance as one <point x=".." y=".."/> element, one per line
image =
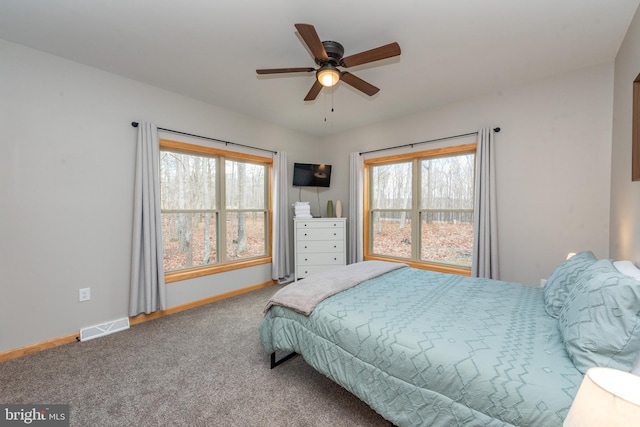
<point x="328" y="75"/>
<point x="328" y="55"/>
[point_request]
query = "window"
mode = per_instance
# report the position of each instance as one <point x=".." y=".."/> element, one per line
<point x="420" y="208"/>
<point x="215" y="209"/>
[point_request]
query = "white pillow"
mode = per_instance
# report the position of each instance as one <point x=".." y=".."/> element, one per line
<point x="628" y="269"/>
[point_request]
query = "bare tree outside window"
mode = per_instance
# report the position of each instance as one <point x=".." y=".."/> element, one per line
<point x="446" y="209"/>
<point x="421" y="206"/>
<point x="197" y="229"/>
<point x="188" y="206"/>
<point x="391" y="208"/>
<point x="246" y="207"/>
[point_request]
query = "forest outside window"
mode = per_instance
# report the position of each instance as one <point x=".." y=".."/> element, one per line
<point x="420" y="208"/>
<point x="215" y="209"/>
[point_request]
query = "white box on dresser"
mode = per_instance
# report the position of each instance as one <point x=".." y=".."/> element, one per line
<point x="319" y="244"/>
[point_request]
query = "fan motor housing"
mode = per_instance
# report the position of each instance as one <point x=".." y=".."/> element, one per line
<point x="334" y="50"/>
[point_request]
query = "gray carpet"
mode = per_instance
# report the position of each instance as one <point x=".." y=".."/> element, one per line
<point x="201" y="367"/>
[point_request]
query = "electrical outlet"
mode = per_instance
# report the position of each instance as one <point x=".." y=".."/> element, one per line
<point x="84" y="294"/>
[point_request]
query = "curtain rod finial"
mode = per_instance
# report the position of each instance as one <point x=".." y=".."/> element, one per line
<point x="134" y="124"/>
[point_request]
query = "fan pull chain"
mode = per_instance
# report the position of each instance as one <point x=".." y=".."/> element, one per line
<point x="332" y="98"/>
<point x="325" y="104"/>
<point x="325" y="107"/>
<point x="332" y="89"/>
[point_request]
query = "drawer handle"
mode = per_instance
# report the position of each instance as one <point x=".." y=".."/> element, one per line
<point x="306" y="259"/>
<point x="305" y="247"/>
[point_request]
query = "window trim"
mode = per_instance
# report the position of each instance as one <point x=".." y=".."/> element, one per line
<point x="367" y="240"/>
<point x="194" y="149"/>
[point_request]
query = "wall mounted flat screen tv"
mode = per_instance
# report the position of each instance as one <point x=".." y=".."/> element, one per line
<point x="310" y="175"/>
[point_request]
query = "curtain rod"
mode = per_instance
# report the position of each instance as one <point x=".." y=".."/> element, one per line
<point x="424" y="142"/>
<point x="135" y="125"/>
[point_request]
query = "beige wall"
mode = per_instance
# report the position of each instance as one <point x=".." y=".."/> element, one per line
<point x="625" y="194"/>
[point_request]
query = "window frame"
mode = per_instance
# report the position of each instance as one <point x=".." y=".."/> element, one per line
<point x="223" y="264"/>
<point x="415" y="261"/>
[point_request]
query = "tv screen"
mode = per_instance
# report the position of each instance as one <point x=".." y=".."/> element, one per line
<point x="310" y="175"/>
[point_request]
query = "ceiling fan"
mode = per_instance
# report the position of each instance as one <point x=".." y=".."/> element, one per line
<point x="329" y="56"/>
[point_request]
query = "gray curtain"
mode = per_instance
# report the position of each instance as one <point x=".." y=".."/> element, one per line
<point x="148" y="290"/>
<point x="485" y="242"/>
<point x="356" y="207"/>
<point x="280" y="264"/>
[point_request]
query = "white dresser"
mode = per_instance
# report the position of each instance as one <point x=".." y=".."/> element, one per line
<point x="319" y="244"/>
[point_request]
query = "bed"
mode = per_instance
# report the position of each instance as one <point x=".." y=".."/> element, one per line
<point x="433" y="349"/>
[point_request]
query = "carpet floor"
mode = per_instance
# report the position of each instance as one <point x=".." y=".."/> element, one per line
<point x="201" y="367"/>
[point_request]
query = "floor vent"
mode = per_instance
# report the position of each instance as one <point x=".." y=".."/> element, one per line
<point x="97" y="331"/>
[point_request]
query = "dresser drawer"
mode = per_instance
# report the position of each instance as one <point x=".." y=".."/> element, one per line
<point x="320" y="234"/>
<point x="307" y="270"/>
<point x="319" y="224"/>
<point x="321" y="258"/>
<point x="311" y="246"/>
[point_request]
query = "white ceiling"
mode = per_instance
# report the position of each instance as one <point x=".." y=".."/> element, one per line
<point x="210" y="49"/>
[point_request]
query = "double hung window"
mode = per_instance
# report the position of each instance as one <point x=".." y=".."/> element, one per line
<point x="215" y="209"/>
<point x="419" y="208"/>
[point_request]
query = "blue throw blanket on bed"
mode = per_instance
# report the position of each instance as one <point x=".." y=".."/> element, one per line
<point x="425" y="348"/>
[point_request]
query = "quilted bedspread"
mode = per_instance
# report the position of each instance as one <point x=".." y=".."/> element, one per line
<point x="433" y="349"/>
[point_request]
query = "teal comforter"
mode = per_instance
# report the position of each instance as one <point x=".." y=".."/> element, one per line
<point x="432" y="349"/>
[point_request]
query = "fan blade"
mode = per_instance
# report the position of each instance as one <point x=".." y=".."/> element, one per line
<point x="285" y="70"/>
<point x="314" y="91"/>
<point x="358" y="83"/>
<point x="311" y="39"/>
<point x="382" y="52"/>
